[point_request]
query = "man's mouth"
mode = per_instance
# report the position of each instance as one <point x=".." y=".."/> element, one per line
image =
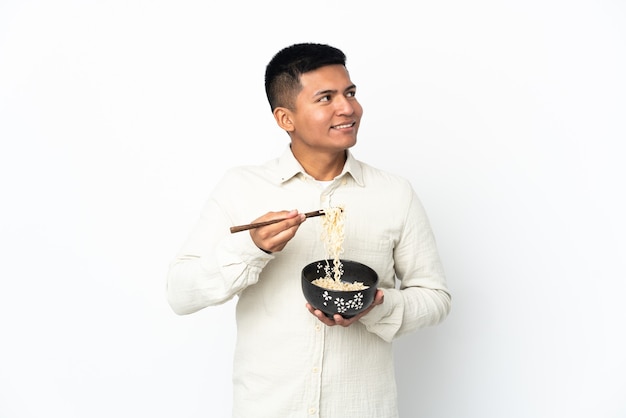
<point x="344" y="126"/>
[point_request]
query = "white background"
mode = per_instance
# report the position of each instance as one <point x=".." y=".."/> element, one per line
<point x="118" y="117"/>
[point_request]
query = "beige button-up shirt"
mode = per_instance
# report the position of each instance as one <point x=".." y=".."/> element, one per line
<point x="287" y="363"/>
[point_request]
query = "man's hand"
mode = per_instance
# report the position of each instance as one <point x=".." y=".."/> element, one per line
<point x="340" y="320"/>
<point x="273" y="238"/>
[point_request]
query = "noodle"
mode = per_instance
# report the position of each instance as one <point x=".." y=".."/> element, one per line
<point x="332" y="237"/>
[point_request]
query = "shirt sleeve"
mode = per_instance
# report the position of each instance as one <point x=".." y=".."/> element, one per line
<point x="213" y="266"/>
<point x="422" y="298"/>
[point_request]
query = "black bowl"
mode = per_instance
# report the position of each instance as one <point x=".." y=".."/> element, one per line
<point x="347" y="303"/>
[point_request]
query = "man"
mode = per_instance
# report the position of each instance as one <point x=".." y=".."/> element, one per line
<point x="291" y="360"/>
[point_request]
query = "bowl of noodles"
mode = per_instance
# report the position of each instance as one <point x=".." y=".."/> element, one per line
<point x="338" y="286"/>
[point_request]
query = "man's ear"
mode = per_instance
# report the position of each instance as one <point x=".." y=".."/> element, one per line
<point x="283" y="118"/>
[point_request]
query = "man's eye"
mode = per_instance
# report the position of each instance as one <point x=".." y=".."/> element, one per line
<point x="351" y="94"/>
<point x="325" y="98"/>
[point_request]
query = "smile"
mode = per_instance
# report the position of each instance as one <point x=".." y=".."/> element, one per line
<point x="347" y="125"/>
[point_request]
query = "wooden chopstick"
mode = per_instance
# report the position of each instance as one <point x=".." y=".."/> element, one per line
<point x="240" y="228"/>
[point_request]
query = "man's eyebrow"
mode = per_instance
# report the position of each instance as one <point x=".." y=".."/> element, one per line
<point x="324" y="92"/>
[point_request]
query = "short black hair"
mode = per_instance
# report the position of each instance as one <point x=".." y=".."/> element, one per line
<point x="282" y="74"/>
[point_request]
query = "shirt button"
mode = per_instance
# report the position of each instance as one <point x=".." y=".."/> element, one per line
<point x="318" y="327"/>
<point x="314" y="369"/>
<point x="311" y="411"/>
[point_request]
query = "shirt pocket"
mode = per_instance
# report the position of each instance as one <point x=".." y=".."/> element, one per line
<point x="377" y="254"/>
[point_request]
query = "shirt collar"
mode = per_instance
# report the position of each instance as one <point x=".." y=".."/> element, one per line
<point x="289" y="167"/>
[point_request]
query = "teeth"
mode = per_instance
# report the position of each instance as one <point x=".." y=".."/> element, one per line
<point x="343" y="126"/>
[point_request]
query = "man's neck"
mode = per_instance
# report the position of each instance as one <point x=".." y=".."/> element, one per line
<point x="321" y="165"/>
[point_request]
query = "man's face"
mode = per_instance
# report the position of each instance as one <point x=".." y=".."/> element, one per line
<point x="327" y="113"/>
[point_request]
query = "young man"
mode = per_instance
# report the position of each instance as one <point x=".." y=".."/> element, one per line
<point x="290" y="360"/>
